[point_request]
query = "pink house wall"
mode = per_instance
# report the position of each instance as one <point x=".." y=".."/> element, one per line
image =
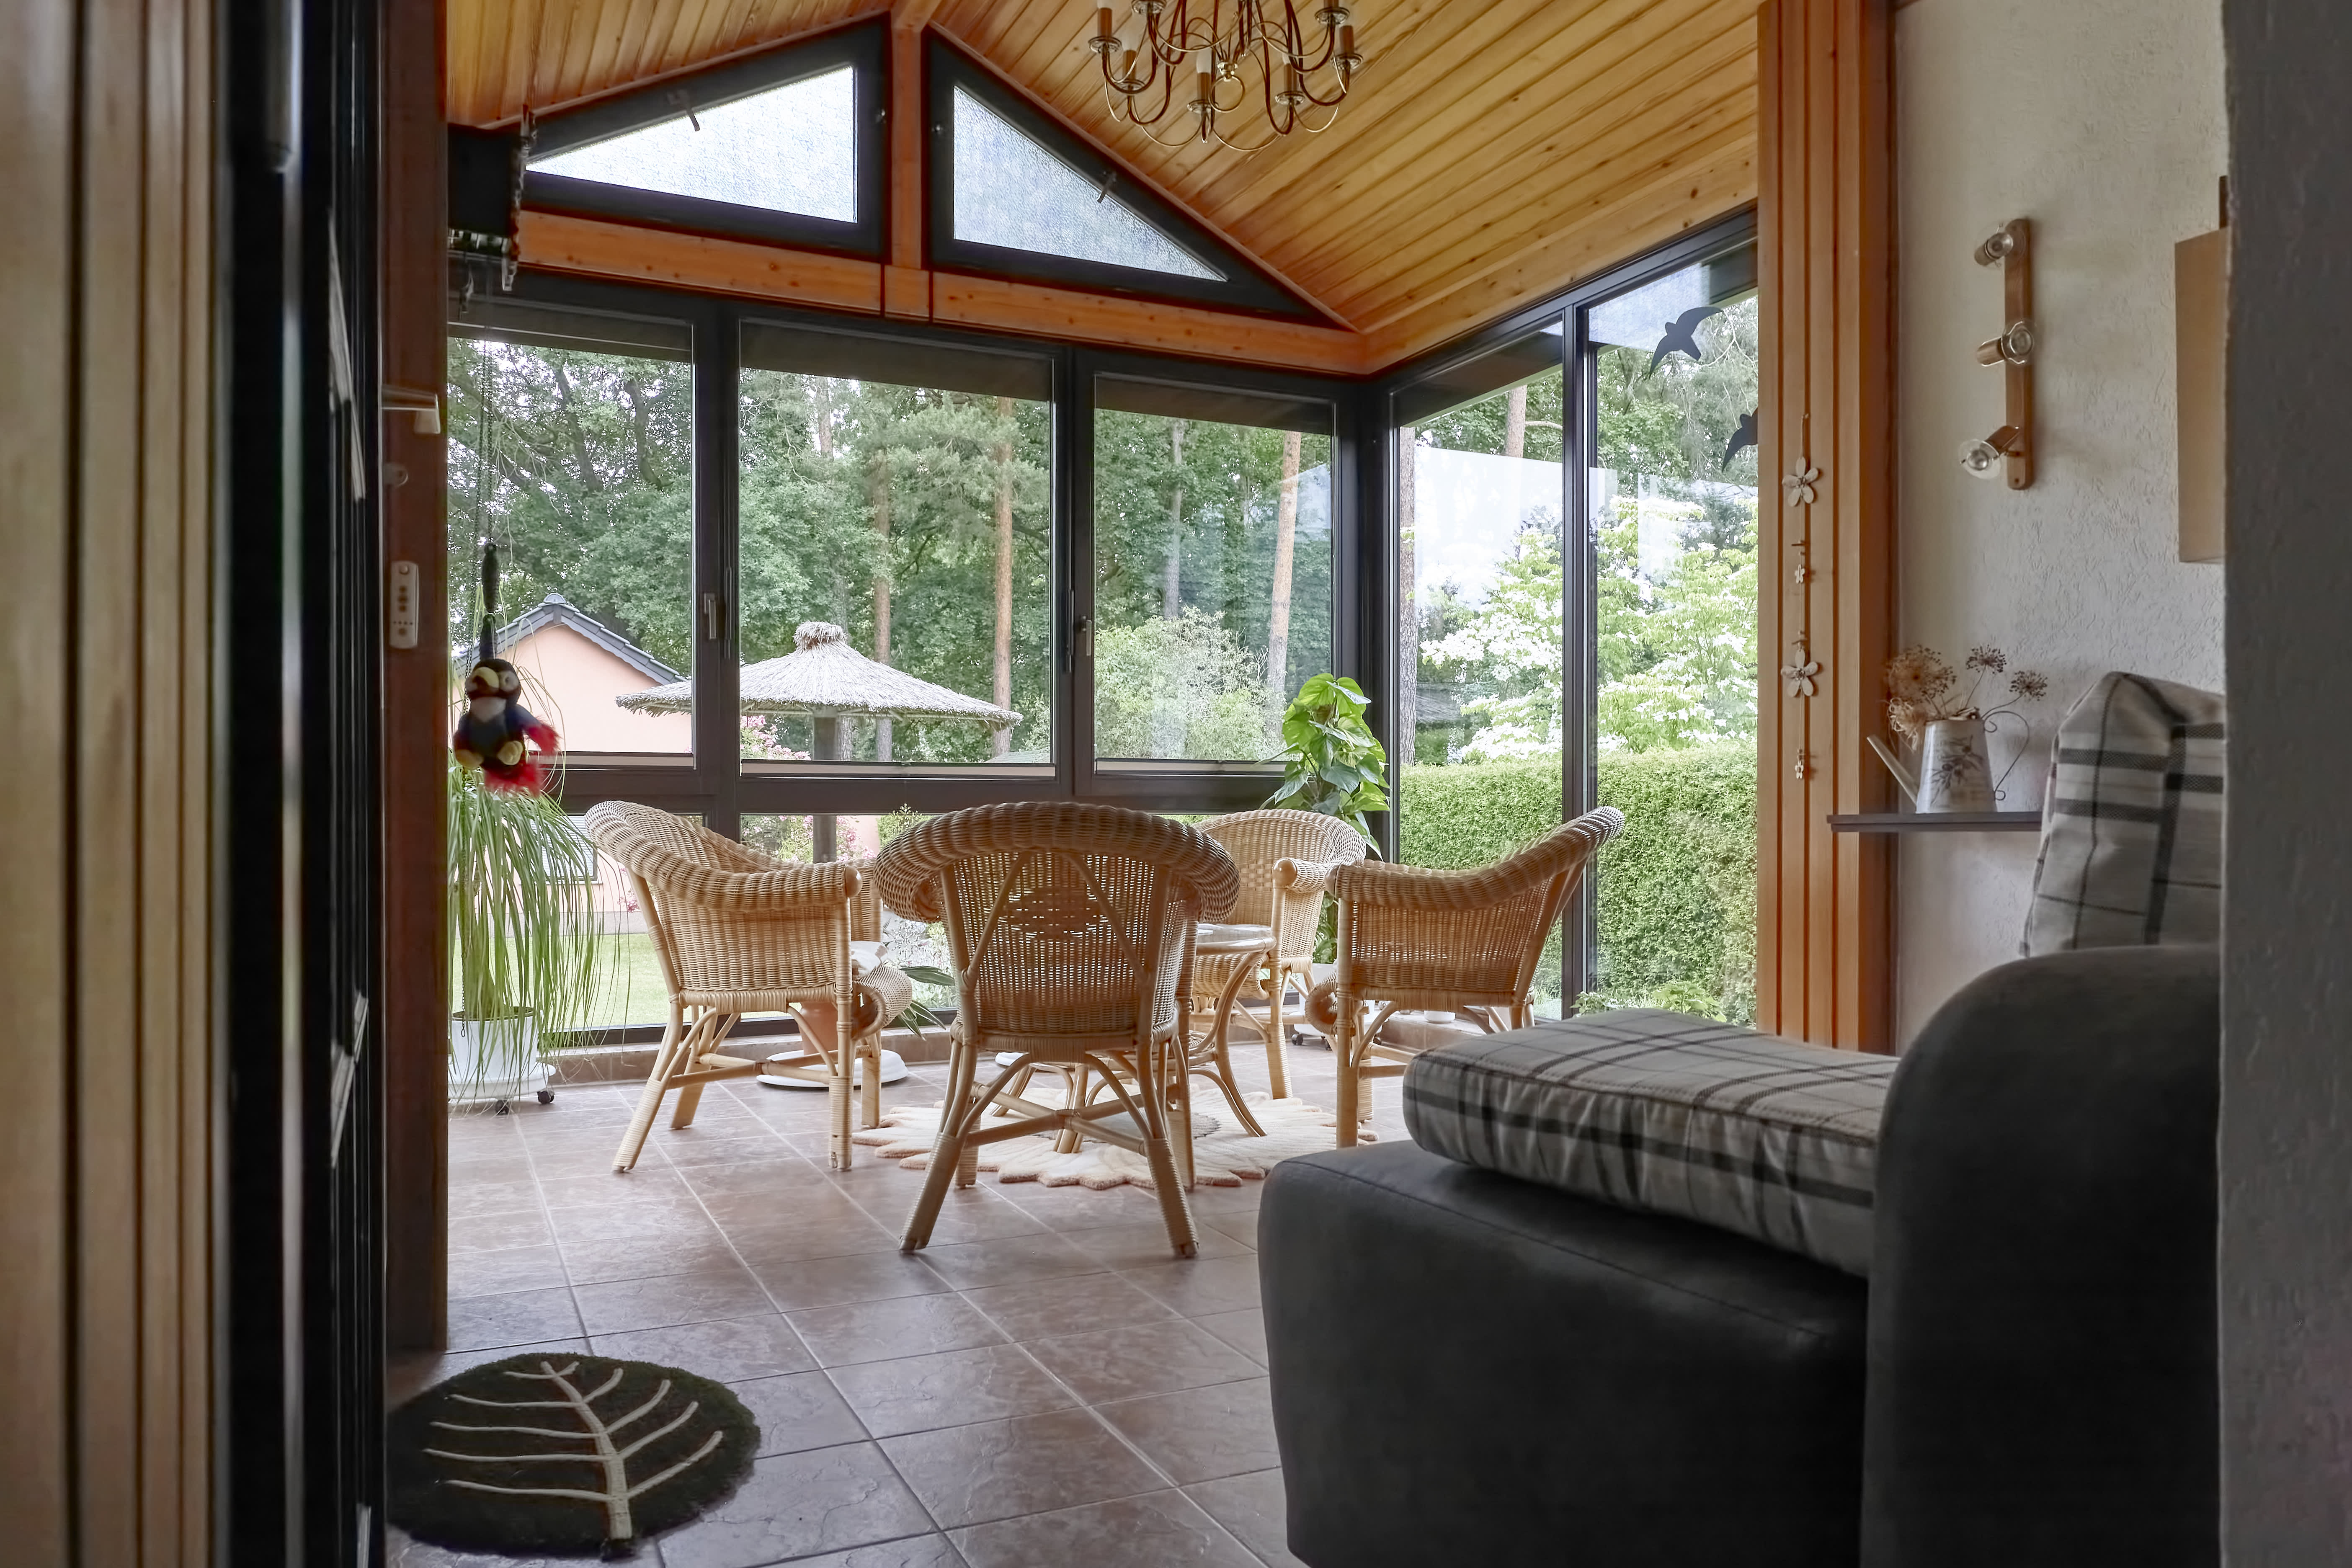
<point x="579" y="680"/>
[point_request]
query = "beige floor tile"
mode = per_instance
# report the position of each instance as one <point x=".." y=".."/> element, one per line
<point x="798" y="1412"/>
<point x="798" y="1284"/>
<point x="919" y="1552"/>
<point x="499" y="1232"/>
<point x="1007" y="1261"/>
<point x="727" y="1291"/>
<point x="507" y="1269"/>
<point x="1040" y="1308"/>
<point x="1246" y="1330"/>
<point x="1000" y="1469"/>
<point x="883" y="1330"/>
<point x="406" y="1376"/>
<point x="1199" y="1286"/>
<point x="518" y="1318"/>
<point x="954" y="1388"/>
<point x="1145" y="1245"/>
<point x="1250" y="1507"/>
<point x="797" y="1505"/>
<point x="689" y="1246"/>
<point x="1157" y="1529"/>
<point x="1201" y="1433"/>
<point x="730" y="1350"/>
<point x="1139" y="1358"/>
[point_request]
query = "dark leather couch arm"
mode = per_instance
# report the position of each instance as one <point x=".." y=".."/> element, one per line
<point x="2042" y="1368"/>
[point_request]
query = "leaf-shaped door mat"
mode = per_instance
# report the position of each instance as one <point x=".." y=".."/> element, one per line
<point x="564" y="1456"/>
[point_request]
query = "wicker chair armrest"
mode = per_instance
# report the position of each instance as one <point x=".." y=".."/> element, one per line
<point x="1563" y="851"/>
<point x="1303" y="876"/>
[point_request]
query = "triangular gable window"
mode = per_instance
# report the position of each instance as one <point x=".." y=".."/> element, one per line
<point x="790" y="149"/>
<point x="1015" y="195"/>
<point x="1011" y="190"/>
<point x="777" y="147"/>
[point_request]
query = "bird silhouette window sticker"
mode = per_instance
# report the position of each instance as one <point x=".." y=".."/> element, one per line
<point x="1012" y="192"/>
<point x="789" y="149"/>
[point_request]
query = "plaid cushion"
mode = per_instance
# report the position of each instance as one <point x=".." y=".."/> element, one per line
<point x="2131" y="825"/>
<point x="1671" y="1115"/>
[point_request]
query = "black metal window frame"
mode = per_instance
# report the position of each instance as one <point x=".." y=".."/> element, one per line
<point x="1569" y="312"/>
<point x="863" y="45"/>
<point x="1246" y="287"/>
<point x="718" y="785"/>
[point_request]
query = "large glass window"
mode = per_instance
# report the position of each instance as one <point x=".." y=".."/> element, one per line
<point x="1481" y="566"/>
<point x="899" y="493"/>
<point x="1212" y="567"/>
<point x="1672" y="496"/>
<point x="570" y="439"/>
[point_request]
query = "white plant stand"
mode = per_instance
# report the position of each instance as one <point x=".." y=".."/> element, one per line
<point x="494" y="1043"/>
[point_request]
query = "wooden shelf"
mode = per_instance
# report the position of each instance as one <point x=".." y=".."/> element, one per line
<point x="1938" y="822"/>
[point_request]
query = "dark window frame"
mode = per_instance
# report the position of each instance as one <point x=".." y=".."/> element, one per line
<point x="717" y="784"/>
<point x="1580" y="754"/>
<point x="863" y="45"/>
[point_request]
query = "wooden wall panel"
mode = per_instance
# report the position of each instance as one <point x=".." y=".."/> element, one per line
<point x="105" y="1330"/>
<point x="1826" y="217"/>
<point x="415" y="1029"/>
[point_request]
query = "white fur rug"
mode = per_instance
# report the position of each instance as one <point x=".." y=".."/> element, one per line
<point x="1225" y="1158"/>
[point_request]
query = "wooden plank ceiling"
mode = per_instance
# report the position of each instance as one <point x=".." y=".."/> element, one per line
<point x="1493" y="152"/>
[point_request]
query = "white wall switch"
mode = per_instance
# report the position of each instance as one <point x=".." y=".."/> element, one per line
<point x="402" y="620"/>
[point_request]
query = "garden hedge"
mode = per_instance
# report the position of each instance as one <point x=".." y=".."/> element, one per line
<point x="1677" y="890"/>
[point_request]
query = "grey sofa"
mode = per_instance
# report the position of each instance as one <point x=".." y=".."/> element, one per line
<point x="1469" y="1368"/>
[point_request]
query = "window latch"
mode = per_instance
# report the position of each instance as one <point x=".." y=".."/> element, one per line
<point x="711" y="608"/>
<point x="1083" y="635"/>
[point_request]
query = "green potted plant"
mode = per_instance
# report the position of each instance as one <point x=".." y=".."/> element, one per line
<point x="525" y="956"/>
<point x="1331" y="762"/>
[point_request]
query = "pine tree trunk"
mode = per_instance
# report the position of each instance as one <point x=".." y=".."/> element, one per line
<point x="1515" y="422"/>
<point x="879" y="487"/>
<point x="1001" y="741"/>
<point x="1277" y="626"/>
<point x="1172" y="597"/>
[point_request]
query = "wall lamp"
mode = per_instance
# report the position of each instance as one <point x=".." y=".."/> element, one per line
<point x="2011" y="447"/>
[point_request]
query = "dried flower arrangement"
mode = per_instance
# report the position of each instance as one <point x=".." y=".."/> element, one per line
<point x="1922" y="687"/>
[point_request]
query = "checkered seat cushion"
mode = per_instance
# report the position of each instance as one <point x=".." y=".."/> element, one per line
<point x="1671" y="1114"/>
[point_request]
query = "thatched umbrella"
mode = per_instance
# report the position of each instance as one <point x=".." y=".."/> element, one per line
<point x="826" y="680"/>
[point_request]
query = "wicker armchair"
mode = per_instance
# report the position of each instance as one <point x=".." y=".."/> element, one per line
<point x="738" y="932"/>
<point x="1070" y="927"/>
<point x="1467" y="941"/>
<point x="1286" y="860"/>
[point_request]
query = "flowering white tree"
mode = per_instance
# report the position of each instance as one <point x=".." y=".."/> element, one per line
<point x="1677" y="646"/>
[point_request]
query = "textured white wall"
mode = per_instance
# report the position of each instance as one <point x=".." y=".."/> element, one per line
<point x="2103" y="121"/>
<point x="2286" y="989"/>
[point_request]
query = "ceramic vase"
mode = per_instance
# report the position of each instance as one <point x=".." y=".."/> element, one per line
<point x="1953" y="773"/>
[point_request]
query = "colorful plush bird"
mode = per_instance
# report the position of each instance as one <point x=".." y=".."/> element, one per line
<point x="492" y="732"/>
<point x="1682" y="336"/>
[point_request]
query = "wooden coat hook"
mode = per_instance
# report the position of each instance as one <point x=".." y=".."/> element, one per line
<point x="2011" y="446"/>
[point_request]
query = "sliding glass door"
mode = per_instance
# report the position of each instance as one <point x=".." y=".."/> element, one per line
<point x="1575" y="580"/>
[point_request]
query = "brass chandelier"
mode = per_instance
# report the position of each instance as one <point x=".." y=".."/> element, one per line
<point x="1219" y="49"/>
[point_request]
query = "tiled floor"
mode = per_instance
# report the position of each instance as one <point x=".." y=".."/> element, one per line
<point x="1043" y="1386"/>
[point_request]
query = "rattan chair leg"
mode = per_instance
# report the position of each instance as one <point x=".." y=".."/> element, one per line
<point x="1075" y="1098"/>
<point x="947" y="1153"/>
<point x="870" y="1106"/>
<point x="1278" y="1055"/>
<point x="1343" y="1047"/>
<point x="837" y="1100"/>
<point x="633" y="1142"/>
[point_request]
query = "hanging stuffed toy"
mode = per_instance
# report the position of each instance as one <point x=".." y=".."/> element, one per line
<point x="492" y="731"/>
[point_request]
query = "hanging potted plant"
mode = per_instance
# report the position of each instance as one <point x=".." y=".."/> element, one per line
<point x="525" y="958"/>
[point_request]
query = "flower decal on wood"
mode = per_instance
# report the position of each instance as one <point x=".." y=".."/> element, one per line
<point x="1803" y="483"/>
<point x="1802" y="672"/>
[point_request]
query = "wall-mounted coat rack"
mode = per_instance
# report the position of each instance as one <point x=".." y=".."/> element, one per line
<point x="2011" y="446"/>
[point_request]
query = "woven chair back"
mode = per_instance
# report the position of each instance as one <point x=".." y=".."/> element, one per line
<point x="1416" y="934"/>
<point x="1069" y="925"/>
<point x="1260" y="840"/>
<point x="726" y="920"/>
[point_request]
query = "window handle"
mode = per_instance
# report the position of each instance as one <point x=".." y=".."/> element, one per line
<point x="1084" y="636"/>
<point x="712" y="605"/>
